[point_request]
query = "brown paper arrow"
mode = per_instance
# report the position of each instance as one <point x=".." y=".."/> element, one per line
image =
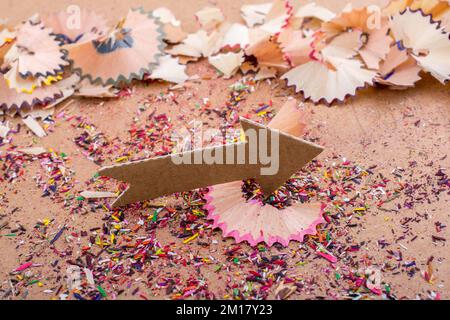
<point x="161" y="176"/>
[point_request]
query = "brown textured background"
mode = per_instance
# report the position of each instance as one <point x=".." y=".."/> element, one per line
<point x="375" y="127"/>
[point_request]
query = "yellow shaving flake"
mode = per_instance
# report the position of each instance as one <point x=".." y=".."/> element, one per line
<point x="195" y="236"/>
<point x="20" y="90"/>
<point x="52" y="79"/>
<point x="242" y="137"/>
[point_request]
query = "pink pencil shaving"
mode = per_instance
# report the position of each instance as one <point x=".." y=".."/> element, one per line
<point x="24" y="266"/>
<point x="329" y="257"/>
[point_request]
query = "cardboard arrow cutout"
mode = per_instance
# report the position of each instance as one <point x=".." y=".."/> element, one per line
<point x="162" y="176"/>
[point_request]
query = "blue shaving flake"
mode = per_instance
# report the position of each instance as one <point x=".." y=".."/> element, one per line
<point x="400" y="46"/>
<point x="66" y="40"/>
<point x="112" y="45"/>
<point x="390" y="74"/>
